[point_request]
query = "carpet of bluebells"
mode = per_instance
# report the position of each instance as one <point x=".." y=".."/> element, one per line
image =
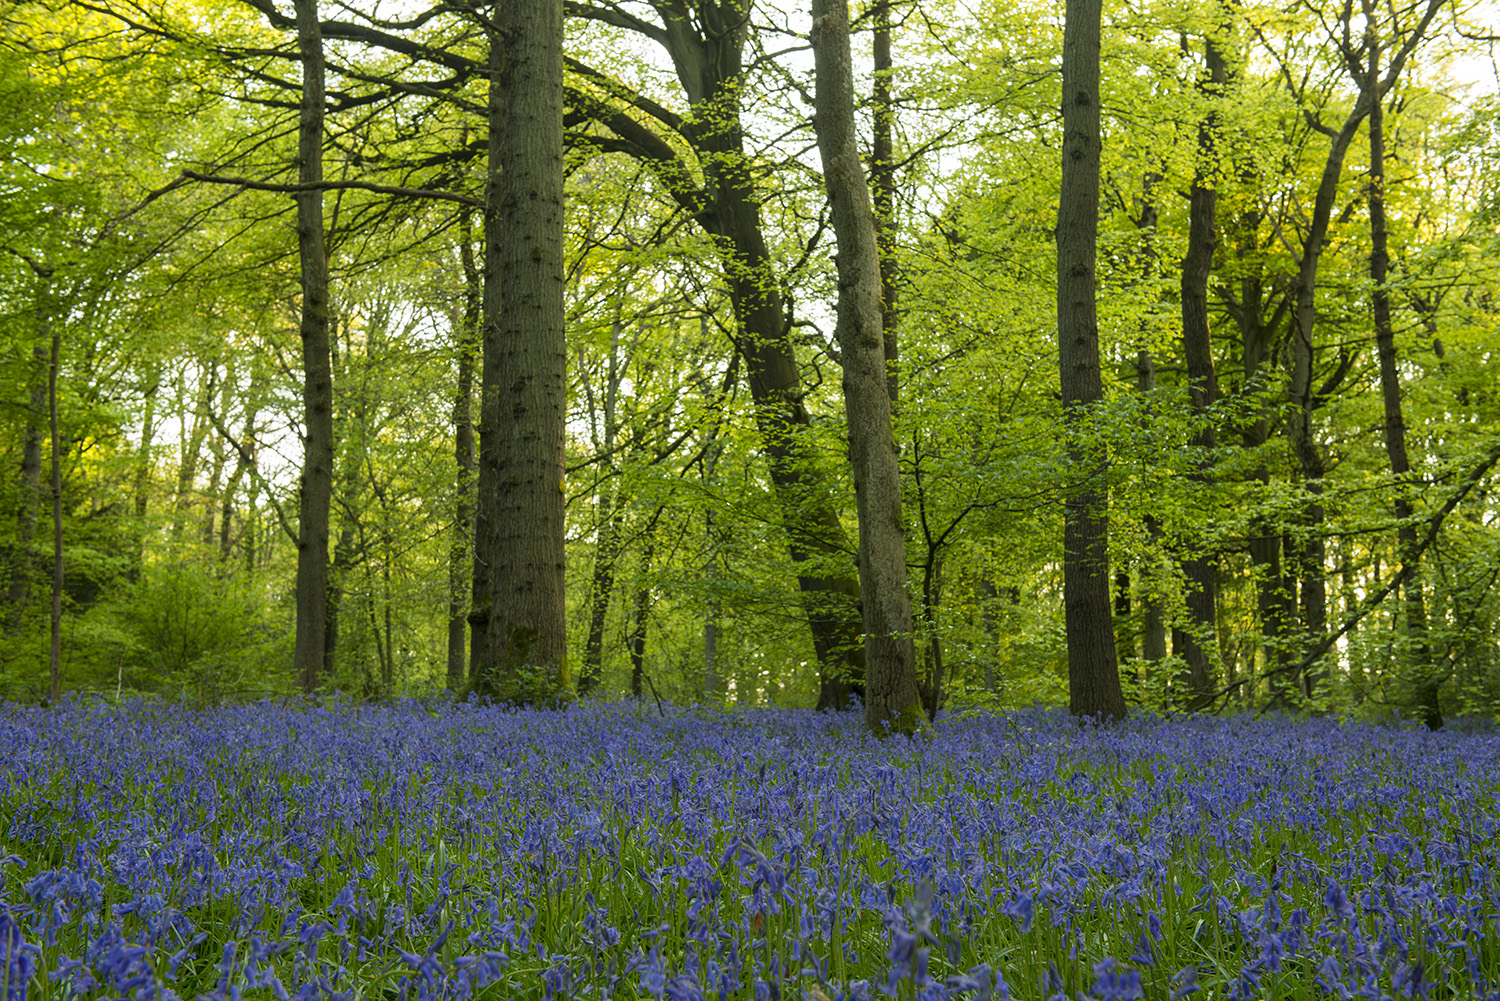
<point x="606" y="851"/>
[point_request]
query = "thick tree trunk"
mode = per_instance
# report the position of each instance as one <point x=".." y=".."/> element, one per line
<point x="1093" y="673"/>
<point x="316" y="482"/>
<point x="1198" y="643"/>
<point x="28" y="504"/>
<point x="1418" y="654"/>
<point x="460" y="572"/>
<point x="526" y="659"/>
<point x="892" y="698"/>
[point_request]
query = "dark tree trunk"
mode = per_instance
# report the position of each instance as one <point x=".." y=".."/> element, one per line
<point x="460" y="573"/>
<point x="487" y="474"/>
<point x="1093" y="673"/>
<point x="1418" y="653"/>
<point x="640" y="614"/>
<point x="1197" y="643"/>
<point x="601" y="587"/>
<point x="892" y="698"/>
<point x="526" y="659"/>
<point x="28" y="504"/>
<point x="316" y="483"/>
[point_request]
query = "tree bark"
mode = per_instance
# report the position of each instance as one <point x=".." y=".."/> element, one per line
<point x="1418" y="653"/>
<point x="316" y="482"/>
<point x="54" y="656"/>
<point x="1197" y="643"/>
<point x="460" y="572"/>
<point x="526" y="659"/>
<point x="142" y="486"/>
<point x="892" y="697"/>
<point x="1093" y="672"/>
<point x="883" y="196"/>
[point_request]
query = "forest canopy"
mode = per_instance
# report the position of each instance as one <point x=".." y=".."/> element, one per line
<point x="263" y="256"/>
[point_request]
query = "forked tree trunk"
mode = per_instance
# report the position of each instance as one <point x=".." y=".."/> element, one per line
<point x="892" y="697"/>
<point x="316" y="482"/>
<point x="1093" y="672"/>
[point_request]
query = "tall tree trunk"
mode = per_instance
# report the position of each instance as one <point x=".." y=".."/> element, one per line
<point x="601" y="587"/>
<point x="524" y="329"/>
<point x="1197" y="643"/>
<point x="54" y="657"/>
<point x="460" y="554"/>
<point x="892" y="697"/>
<point x="883" y="196"/>
<point x="1153" y="617"/>
<point x="28" y="504"/>
<point x="192" y="450"/>
<point x="712" y="684"/>
<point x="316" y="482"/>
<point x="1093" y="672"/>
<point x="1418" y="652"/>
<point x="244" y="461"/>
<point x="640" y="613"/>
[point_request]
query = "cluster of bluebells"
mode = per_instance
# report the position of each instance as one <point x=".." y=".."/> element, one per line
<point x="152" y="851"/>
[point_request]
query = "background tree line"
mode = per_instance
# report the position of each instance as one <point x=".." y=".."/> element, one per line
<point x="1276" y="489"/>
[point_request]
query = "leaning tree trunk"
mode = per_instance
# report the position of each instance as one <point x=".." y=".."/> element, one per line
<point x="526" y="659"/>
<point x="1419" y="655"/>
<point x="892" y="697"/>
<point x="1200" y="569"/>
<point x="316" y="483"/>
<point x="1093" y="672"/>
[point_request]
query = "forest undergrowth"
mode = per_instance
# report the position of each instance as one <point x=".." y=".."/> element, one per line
<point x="154" y="851"/>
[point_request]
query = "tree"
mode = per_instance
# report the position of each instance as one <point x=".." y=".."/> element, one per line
<point x="316" y="482"/>
<point x="525" y="366"/>
<point x="892" y="701"/>
<point x="1093" y="673"/>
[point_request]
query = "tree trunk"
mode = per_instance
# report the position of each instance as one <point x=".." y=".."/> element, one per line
<point x="526" y="659"/>
<point x="143" y="467"/>
<point x="460" y="574"/>
<point x="883" y="196"/>
<point x="316" y="482"/>
<point x="1093" y="672"/>
<point x="712" y="685"/>
<point x="28" y="505"/>
<point x="601" y="587"/>
<point x="1197" y="643"/>
<point x="1153" y="618"/>
<point x="1418" y="653"/>
<point x="640" y="613"/>
<point x="892" y="698"/>
<point x="192" y="451"/>
<point x="54" y="657"/>
<point x="243" y="462"/>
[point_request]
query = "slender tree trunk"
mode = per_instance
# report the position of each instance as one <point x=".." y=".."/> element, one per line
<point x="712" y="684"/>
<point x="892" y="697"/>
<point x="316" y="481"/>
<point x="601" y="587"/>
<point x="143" y="467"/>
<point x="54" y="657"/>
<point x="1419" y="654"/>
<point x="18" y="592"/>
<point x="1198" y="643"/>
<point x="1093" y="672"/>
<point x="460" y="572"/>
<point x="640" y="614"/>
<point x="883" y="196"/>
<point x="526" y="658"/>
<point x="1153" y="618"/>
<point x="487" y="474"/>
<point x="244" y="461"/>
<point x="192" y="452"/>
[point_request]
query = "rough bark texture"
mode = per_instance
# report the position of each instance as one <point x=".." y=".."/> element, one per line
<point x="892" y="698"/>
<point x="460" y="575"/>
<point x="1093" y="672"/>
<point x="316" y="483"/>
<point x="1197" y="643"/>
<point x="1418" y="653"/>
<point x="526" y="659"/>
